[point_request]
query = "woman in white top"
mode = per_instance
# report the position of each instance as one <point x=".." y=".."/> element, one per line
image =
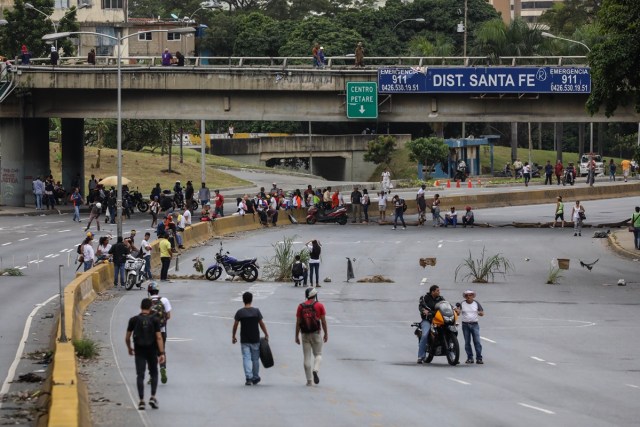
<point x="382" y="205"/>
<point x="103" y="248"/>
<point x="577" y="215"/>
<point x="87" y="253"/>
<point x="242" y="207"/>
<point x="386" y="180"/>
<point x="526" y="172"/>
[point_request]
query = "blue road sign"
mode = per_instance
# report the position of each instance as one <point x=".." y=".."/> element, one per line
<point x="485" y="80"/>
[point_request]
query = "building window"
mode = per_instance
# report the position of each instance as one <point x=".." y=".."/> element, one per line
<point x="112" y="4"/>
<point x="61" y="4"/>
<point x="145" y="36"/>
<point x="173" y="36"/>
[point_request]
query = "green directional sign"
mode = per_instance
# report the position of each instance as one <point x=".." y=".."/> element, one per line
<point x="362" y="100"/>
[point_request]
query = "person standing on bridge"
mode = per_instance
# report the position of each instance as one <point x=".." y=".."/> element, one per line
<point x="250" y="319"/>
<point x="54" y="56"/>
<point x="180" y="59"/>
<point x="91" y="57"/>
<point x="315" y="52"/>
<point x="166" y="58"/>
<point x="310" y="320"/>
<point x="359" y="56"/>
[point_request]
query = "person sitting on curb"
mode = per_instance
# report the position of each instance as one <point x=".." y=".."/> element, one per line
<point x="467" y="218"/>
<point x="451" y="218"/>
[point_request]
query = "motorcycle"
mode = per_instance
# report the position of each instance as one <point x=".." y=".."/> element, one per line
<point x="134" y="270"/>
<point x="444" y="334"/>
<point x="138" y="201"/>
<point x="461" y="172"/>
<point x="569" y="176"/>
<point x="247" y="269"/>
<point x="337" y="214"/>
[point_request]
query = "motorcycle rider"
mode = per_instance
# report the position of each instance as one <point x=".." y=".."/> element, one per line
<point x="178" y="196"/>
<point x="427" y="307"/>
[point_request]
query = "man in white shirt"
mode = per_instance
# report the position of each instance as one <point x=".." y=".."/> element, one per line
<point x="181" y="225"/>
<point x="470" y="311"/>
<point x="187" y="217"/>
<point x="145" y="247"/>
<point x="153" y="289"/>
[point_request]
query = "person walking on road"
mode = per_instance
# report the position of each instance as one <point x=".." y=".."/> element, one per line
<point x="356" y="205"/>
<point x="548" y="173"/>
<point x="526" y="173"/>
<point x="578" y="216"/>
<point x="77" y="201"/>
<point x="219" y="203"/>
<point x="310" y="320"/>
<point x="470" y="311"/>
<point x="119" y="252"/>
<point x="154" y="209"/>
<point x="315" y="248"/>
<point x="96" y="210"/>
<point x="165" y="255"/>
<point x="250" y="318"/>
<point x="148" y="349"/>
<point x="591" y="171"/>
<point x="612" y="170"/>
<point x="145" y="247"/>
<point x="398" y="205"/>
<point x="161" y="309"/>
<point x="203" y="194"/>
<point x="635" y="223"/>
<point x="626" y="167"/>
<point x="559" y="212"/>
<point x="366" y="201"/>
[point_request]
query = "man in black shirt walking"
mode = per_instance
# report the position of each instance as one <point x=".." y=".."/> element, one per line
<point x="250" y="318"/>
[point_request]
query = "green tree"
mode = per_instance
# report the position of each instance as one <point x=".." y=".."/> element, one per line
<point x="380" y="149"/>
<point x="565" y="17"/>
<point x="334" y="37"/>
<point x="494" y="39"/>
<point x="258" y="35"/>
<point x="615" y="61"/>
<point x="428" y="151"/>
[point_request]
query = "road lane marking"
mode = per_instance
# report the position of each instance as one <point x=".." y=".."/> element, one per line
<point x="546" y="411"/>
<point x="55" y="255"/>
<point x="48" y="256"/>
<point x="632" y="385"/>
<point x="487" y="339"/>
<point x="42" y="235"/>
<point x="458" y="381"/>
<point x="22" y="240"/>
<point x="179" y="339"/>
<point x="53" y="222"/>
<point x="551" y="363"/>
<point x="23" y="341"/>
<point x="63" y="231"/>
<point x="20" y="268"/>
<point x="64" y="250"/>
<point x="537" y="358"/>
<point x="8" y="243"/>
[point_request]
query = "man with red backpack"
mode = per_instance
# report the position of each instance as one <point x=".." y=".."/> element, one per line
<point x="310" y="319"/>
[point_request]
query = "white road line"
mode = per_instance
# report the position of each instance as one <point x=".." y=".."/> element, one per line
<point x="22" y="240"/>
<point x="20" y="268"/>
<point x="64" y="250"/>
<point x="53" y="222"/>
<point x="8" y="243"/>
<point x="23" y="340"/>
<point x="632" y="385"/>
<point x="63" y="231"/>
<point x="546" y="411"/>
<point x="42" y="235"/>
<point x="55" y="255"/>
<point x="458" y="381"/>
<point x="537" y="358"/>
<point x="440" y="245"/>
<point x="48" y="256"/>
<point x="487" y="339"/>
<point x="551" y="363"/>
<point x="75" y="246"/>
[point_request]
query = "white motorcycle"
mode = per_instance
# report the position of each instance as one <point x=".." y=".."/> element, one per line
<point x="134" y="270"/>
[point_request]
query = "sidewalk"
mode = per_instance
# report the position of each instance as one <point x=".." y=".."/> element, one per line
<point x="621" y="241"/>
<point x="30" y="210"/>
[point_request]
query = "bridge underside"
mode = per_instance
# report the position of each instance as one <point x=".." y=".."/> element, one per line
<point x="301" y="106"/>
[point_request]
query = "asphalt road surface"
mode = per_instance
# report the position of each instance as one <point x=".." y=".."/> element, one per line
<point x="561" y="354"/>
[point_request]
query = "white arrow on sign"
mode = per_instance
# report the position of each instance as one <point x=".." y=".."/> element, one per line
<point x="362" y="110"/>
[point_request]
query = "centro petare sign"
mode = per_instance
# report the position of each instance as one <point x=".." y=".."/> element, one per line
<point x="485" y="80"/>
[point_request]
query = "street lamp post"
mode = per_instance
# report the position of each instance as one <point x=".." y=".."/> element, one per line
<point x="205" y="5"/>
<point x="409" y="19"/>
<point x="553" y="36"/>
<point x="55" y="25"/>
<point x="56" y="36"/>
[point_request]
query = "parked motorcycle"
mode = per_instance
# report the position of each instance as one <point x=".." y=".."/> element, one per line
<point x="461" y="172"/>
<point x="134" y="272"/>
<point x="337" y="214"/>
<point x="444" y="334"/>
<point x="138" y="201"/>
<point x="247" y="269"/>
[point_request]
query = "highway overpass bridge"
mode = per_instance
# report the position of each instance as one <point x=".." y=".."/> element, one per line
<point x="241" y="92"/>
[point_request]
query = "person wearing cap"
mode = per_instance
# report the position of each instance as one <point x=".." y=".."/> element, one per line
<point x="119" y="251"/>
<point x="153" y="290"/>
<point x="470" y="311"/>
<point x="311" y="312"/>
<point x="96" y="210"/>
<point x="166" y="58"/>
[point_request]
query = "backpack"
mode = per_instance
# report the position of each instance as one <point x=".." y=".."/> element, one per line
<point x="404" y="205"/>
<point x="158" y="310"/>
<point x="144" y="334"/>
<point x="309" y="321"/>
<point x="297" y="270"/>
<point x="79" y="249"/>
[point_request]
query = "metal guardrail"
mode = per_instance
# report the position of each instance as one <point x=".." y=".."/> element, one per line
<point x="333" y="63"/>
<point x="7" y="84"/>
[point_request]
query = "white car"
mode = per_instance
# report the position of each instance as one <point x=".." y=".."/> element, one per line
<point x="584" y="164"/>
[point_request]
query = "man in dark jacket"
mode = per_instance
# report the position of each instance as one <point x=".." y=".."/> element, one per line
<point x="119" y="252"/>
<point x="427" y="307"/>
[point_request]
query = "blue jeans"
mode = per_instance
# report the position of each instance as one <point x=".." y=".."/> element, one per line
<point x="88" y="265"/>
<point x="399" y="214"/>
<point x="76" y="213"/>
<point x="424" y="341"/>
<point x="636" y="237"/>
<point x="314" y="266"/>
<point x="38" y="201"/>
<point x="118" y="268"/>
<point x="251" y="360"/>
<point x="147" y="267"/>
<point x="470" y="330"/>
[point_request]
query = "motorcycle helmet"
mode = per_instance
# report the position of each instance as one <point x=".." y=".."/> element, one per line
<point x="99" y="205"/>
<point x="311" y="292"/>
<point x="153" y="287"/>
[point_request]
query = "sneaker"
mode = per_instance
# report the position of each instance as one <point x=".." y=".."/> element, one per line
<point x="420" y="361"/>
<point x="318" y="286"/>
<point x="316" y="378"/>
<point x="393" y="228"/>
<point x="163" y="375"/>
<point x="404" y="228"/>
<point x="153" y="402"/>
<point x="248" y="382"/>
<point x="256" y="380"/>
<point x="141" y="405"/>
<point x="479" y="362"/>
<point x="469" y="361"/>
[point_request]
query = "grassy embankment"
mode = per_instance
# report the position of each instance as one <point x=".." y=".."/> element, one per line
<point x="145" y="168"/>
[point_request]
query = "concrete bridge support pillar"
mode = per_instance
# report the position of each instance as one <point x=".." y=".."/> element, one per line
<point x="12" y="188"/>
<point x="36" y="153"/>
<point x="73" y="154"/>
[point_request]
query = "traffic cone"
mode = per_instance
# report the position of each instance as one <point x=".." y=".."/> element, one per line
<point x="479" y="182"/>
<point x="437" y="183"/>
<point x="469" y="185"/>
<point x="448" y="183"/>
<point x="457" y="183"/>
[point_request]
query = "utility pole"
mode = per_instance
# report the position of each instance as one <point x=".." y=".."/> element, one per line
<point x="170" y="146"/>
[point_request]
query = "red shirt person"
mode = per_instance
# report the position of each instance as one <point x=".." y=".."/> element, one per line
<point x="558" y="170"/>
<point x="310" y="321"/>
<point x="219" y="203"/>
